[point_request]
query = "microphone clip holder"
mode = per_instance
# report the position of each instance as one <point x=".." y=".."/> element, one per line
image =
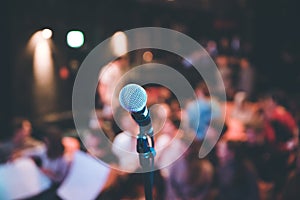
<point x="146" y="151"/>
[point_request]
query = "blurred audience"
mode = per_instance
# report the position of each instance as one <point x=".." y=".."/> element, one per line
<point x="283" y="133"/>
<point x="20" y="176"/>
<point x="257" y="157"/>
<point x="169" y="145"/>
<point x="236" y="177"/>
<point x="246" y="77"/>
<point x="54" y="163"/>
<point x="222" y="62"/>
<point x="190" y="177"/>
<point x="238" y="113"/>
<point x="202" y="110"/>
<point x="124" y="144"/>
<point x="22" y="140"/>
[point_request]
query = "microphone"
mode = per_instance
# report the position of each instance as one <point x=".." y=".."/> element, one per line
<point x="133" y="98"/>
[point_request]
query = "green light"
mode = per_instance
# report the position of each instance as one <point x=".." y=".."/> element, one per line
<point x="75" y="39"/>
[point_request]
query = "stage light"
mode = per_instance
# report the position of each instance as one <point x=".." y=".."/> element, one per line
<point x="47" y="33"/>
<point x="43" y="64"/>
<point x="75" y="39"/>
<point x="40" y="47"/>
<point x="119" y="43"/>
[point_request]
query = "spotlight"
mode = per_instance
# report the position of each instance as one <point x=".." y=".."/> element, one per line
<point x="75" y="39"/>
<point x="119" y="43"/>
<point x="47" y="33"/>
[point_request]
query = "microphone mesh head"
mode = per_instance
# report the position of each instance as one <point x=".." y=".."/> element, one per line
<point x="133" y="98"/>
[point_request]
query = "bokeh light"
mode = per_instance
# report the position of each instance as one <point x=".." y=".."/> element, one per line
<point x="47" y="33"/>
<point x="75" y="39"/>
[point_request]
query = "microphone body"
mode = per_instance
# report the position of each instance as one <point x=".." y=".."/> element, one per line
<point x="133" y="98"/>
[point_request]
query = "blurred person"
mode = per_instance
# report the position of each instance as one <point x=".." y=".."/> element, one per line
<point x="54" y="163"/>
<point x="257" y="148"/>
<point x="168" y="145"/>
<point x="206" y="107"/>
<point x="235" y="45"/>
<point x="124" y="144"/>
<point x="98" y="145"/>
<point x="20" y="177"/>
<point x="212" y="136"/>
<point x="211" y="48"/>
<point x="283" y="132"/>
<point x="222" y="62"/>
<point x="246" y="77"/>
<point x="108" y="126"/>
<point x="74" y="173"/>
<point x="109" y="78"/>
<point x="260" y="152"/>
<point x="176" y="110"/>
<point x="224" y="46"/>
<point x="190" y="177"/>
<point x="157" y="94"/>
<point x="238" y="113"/>
<point x="280" y="117"/>
<point x="108" y="88"/>
<point x="24" y="143"/>
<point x="236" y="177"/>
<point x="242" y="108"/>
<point x="71" y="144"/>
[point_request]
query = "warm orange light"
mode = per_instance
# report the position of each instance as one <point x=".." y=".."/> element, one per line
<point x="148" y="56"/>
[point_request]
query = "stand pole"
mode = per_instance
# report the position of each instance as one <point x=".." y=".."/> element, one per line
<point x="146" y="157"/>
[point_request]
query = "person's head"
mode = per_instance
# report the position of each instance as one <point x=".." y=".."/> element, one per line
<point x="222" y="61"/>
<point x="201" y="90"/>
<point x="53" y="140"/>
<point x="224" y="42"/>
<point x="270" y="101"/>
<point x="240" y="99"/>
<point x="21" y="128"/>
<point x="244" y="62"/>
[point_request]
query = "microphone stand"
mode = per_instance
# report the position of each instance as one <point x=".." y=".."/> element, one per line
<point x="146" y="157"/>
